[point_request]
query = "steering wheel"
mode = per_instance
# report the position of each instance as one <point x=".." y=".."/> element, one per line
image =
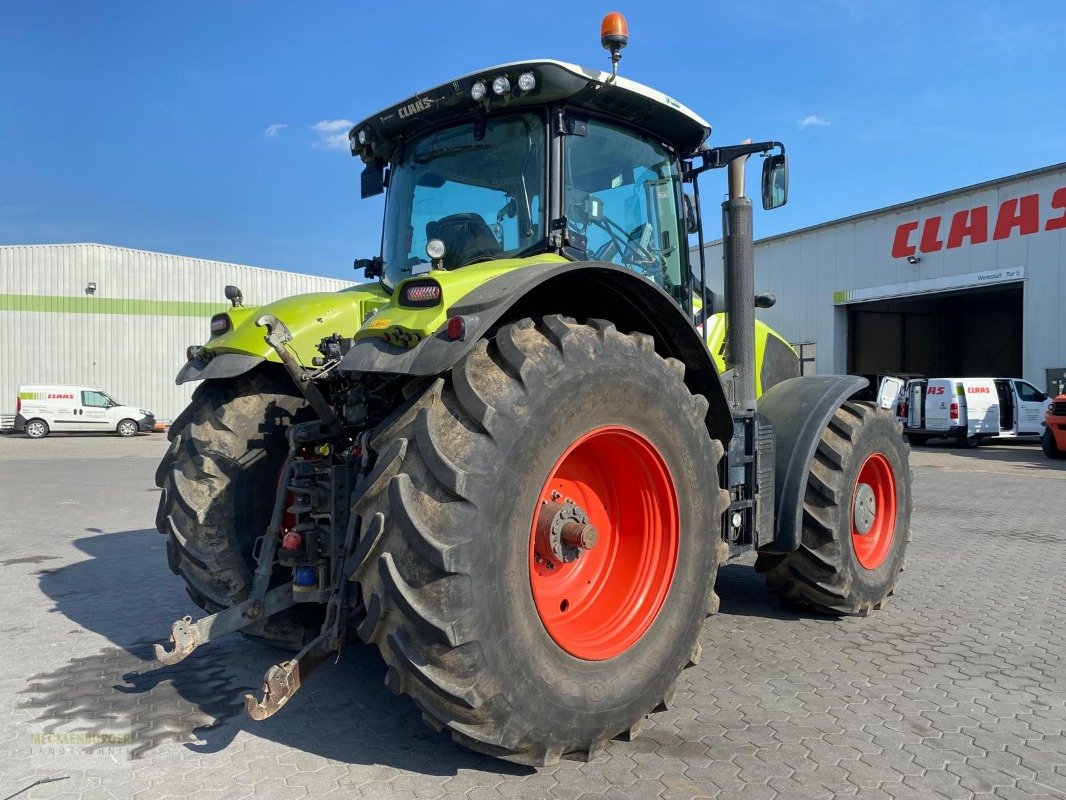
<point x="633" y="250"/>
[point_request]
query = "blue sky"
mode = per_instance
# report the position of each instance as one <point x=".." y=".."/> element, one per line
<point x="204" y="128"/>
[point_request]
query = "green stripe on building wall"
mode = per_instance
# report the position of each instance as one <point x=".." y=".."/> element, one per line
<point x="66" y="304"/>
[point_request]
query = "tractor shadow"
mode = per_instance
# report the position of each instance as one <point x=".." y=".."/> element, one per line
<point x="743" y="594"/>
<point x="125" y="593"/>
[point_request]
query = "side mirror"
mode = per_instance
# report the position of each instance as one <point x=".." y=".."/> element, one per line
<point x="233" y="294"/>
<point x="774" y="181"/>
<point x="688" y="206"/>
<point x="371" y="181"/>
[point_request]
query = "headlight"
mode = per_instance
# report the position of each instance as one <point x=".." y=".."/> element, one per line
<point x="526" y="81"/>
<point x="501" y="85"/>
<point x="477" y="92"/>
<point x="435" y="249"/>
<point x="362" y="136"/>
<point x="146" y="413"/>
<point x="219" y="324"/>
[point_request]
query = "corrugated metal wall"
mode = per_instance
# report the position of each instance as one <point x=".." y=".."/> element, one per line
<point x="129" y="335"/>
<point x="806" y="268"/>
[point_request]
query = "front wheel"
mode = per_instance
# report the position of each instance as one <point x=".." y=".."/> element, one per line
<point x="127" y="428"/>
<point x="1048" y="445"/>
<point x="856" y="517"/>
<point x="538" y="540"/>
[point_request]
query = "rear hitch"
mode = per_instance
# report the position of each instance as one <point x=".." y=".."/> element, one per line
<point x="186" y="635"/>
<point x="283" y="680"/>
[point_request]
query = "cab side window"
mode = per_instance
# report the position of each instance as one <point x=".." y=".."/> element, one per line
<point x="94" y="400"/>
<point x="620" y="190"/>
<point x="1028" y="392"/>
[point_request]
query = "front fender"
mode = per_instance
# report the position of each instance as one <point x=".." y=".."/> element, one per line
<point x="799" y="409"/>
<point x="583" y="290"/>
<point x="309" y="317"/>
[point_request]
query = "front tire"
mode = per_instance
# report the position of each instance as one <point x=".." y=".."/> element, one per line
<point x="219" y="479"/>
<point x="451" y="573"/>
<point x="1049" y="445"/>
<point x="127" y="428"/>
<point x="856" y="518"/>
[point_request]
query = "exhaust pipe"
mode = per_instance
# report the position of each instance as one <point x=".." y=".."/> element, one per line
<point x="738" y="248"/>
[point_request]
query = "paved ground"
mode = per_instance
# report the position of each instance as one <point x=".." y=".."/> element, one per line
<point x="956" y="689"/>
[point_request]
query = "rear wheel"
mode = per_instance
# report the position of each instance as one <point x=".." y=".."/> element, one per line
<point x="537" y="540"/>
<point x="36" y="428"/>
<point x="1049" y="446"/>
<point x="219" y="479"/>
<point x="970" y="442"/>
<point x="856" y="517"/>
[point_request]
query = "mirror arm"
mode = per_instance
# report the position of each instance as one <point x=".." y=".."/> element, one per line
<point x="718" y="157"/>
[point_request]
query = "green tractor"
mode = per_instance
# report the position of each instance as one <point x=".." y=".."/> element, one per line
<point x="515" y="460"/>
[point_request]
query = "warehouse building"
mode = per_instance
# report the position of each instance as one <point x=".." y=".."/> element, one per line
<point x="118" y="319"/>
<point x="970" y="282"/>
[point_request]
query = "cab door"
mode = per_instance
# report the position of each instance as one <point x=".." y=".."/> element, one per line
<point x="94" y="411"/>
<point x="1030" y="407"/>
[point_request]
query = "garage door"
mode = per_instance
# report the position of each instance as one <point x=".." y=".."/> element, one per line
<point x="976" y="332"/>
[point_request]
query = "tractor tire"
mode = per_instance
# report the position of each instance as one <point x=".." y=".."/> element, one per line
<point x="517" y="655"/>
<point x="1049" y="446"/>
<point x="849" y="559"/>
<point x="218" y="480"/>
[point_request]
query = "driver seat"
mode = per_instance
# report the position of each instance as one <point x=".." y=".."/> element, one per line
<point x="465" y="236"/>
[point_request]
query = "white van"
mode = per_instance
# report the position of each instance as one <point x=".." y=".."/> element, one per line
<point x="969" y="410"/>
<point x="41" y="409"/>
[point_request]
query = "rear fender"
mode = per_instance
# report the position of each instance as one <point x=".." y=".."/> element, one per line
<point x="799" y="409"/>
<point x="583" y="290"/>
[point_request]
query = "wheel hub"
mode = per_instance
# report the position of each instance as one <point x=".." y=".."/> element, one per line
<point x="604" y="539"/>
<point x="873" y="511"/>
<point x="865" y="508"/>
<point x="564" y="532"/>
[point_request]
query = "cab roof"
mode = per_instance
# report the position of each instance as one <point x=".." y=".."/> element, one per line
<point x="556" y="81"/>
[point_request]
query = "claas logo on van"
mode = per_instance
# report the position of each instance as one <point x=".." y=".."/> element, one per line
<point x="935" y="390"/>
<point x="978" y="390"/>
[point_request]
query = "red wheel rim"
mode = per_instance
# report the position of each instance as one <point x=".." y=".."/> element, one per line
<point x="872" y="546"/>
<point x="601" y="603"/>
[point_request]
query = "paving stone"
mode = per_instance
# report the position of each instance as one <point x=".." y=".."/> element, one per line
<point x="956" y="690"/>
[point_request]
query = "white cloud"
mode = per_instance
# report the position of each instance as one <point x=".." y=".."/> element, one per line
<point x="813" y="119"/>
<point x="333" y="133"/>
<point x="273" y="130"/>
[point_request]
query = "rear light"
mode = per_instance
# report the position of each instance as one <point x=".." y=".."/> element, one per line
<point x="291" y="541"/>
<point x="421" y="294"/>
<point x="456" y="328"/>
<point x="18" y="405"/>
<point x="219" y="324"/>
<point x="954" y="412"/>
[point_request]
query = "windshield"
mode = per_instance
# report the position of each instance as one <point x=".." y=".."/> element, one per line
<point x="480" y="195"/>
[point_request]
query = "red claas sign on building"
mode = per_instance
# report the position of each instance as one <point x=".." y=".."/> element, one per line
<point x="1018" y="216"/>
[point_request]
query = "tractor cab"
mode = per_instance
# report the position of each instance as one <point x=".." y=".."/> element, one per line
<point x="529" y="158"/>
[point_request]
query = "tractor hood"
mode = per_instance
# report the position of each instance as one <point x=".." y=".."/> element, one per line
<point x="309" y="317"/>
<point x="376" y="137"/>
